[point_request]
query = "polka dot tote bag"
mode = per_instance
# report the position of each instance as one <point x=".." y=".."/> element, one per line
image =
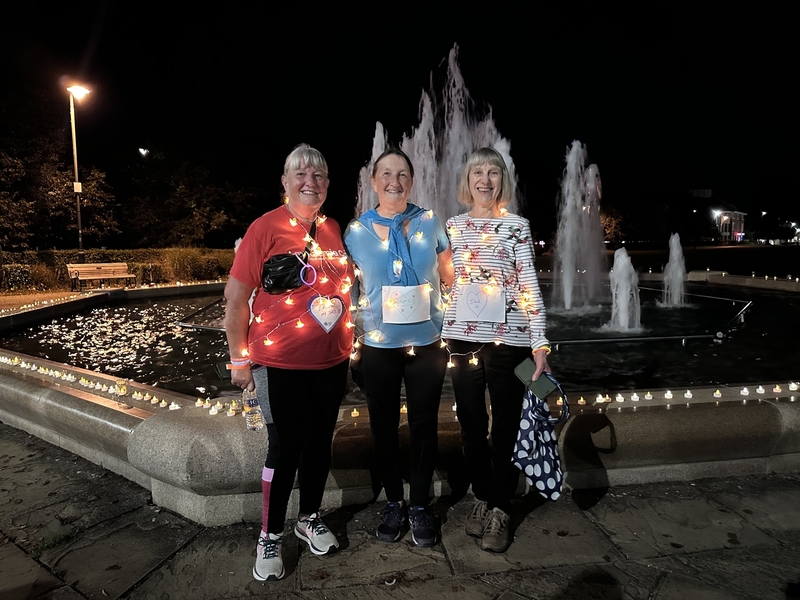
<point x="536" y="452"/>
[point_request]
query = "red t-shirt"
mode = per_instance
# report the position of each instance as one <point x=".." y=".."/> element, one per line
<point x="323" y="309"/>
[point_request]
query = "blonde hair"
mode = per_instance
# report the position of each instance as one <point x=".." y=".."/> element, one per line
<point x="303" y="154"/>
<point x="480" y="157"/>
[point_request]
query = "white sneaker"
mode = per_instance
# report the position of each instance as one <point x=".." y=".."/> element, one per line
<point x="313" y="531"/>
<point x="269" y="564"/>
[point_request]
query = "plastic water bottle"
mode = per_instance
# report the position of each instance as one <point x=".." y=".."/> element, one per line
<point x="252" y="411"/>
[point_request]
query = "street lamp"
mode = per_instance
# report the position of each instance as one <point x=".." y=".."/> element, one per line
<point x="76" y="91"/>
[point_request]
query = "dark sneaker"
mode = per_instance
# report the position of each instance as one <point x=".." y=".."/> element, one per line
<point x="422" y="530"/>
<point x="269" y="564"/>
<point x="497" y="535"/>
<point x="392" y="523"/>
<point x="477" y="519"/>
<point x="313" y="531"/>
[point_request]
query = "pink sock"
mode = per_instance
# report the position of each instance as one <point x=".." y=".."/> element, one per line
<point x="266" y="484"/>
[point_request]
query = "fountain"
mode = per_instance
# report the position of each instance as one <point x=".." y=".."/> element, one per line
<point x="448" y="132"/>
<point x="579" y="253"/>
<point x="625" y="306"/>
<point x="674" y="274"/>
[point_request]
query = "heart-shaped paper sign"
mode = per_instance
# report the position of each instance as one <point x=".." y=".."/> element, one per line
<point x="476" y="302"/>
<point x="405" y="303"/>
<point x="326" y="311"/>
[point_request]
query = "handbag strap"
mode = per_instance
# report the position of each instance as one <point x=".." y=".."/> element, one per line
<point x="564" y="402"/>
<point x="311" y="233"/>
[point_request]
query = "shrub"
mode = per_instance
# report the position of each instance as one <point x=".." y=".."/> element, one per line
<point x="183" y="263"/>
<point x="42" y="277"/>
<point x="16" y="277"/>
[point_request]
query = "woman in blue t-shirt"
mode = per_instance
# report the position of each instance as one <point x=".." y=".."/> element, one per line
<point x="402" y="258"/>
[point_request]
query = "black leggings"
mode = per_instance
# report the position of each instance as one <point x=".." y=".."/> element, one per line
<point x="305" y="407"/>
<point x="383" y="370"/>
<point x="494" y="477"/>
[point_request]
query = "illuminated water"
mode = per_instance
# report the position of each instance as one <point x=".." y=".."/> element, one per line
<point x="579" y="252"/>
<point x="140" y="340"/>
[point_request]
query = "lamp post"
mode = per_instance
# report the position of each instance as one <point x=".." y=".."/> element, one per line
<point x="76" y="91"/>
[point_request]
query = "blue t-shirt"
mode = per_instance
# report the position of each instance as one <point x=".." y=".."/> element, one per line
<point x="426" y="239"/>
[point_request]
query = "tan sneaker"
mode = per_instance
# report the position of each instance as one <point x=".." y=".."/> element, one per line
<point x="497" y="535"/>
<point x="476" y="519"/>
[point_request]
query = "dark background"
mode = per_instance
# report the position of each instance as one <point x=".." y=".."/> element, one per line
<point x="668" y="97"/>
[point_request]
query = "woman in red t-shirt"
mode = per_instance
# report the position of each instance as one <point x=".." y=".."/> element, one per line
<point x="294" y="352"/>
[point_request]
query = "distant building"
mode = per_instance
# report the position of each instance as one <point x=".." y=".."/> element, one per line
<point x="730" y="224"/>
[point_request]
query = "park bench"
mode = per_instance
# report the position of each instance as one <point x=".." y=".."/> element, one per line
<point x="81" y="273"/>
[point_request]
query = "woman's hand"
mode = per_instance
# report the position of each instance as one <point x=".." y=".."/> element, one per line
<point x="243" y="378"/>
<point x="540" y="358"/>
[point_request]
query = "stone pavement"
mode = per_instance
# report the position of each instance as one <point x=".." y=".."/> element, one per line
<point x="70" y="529"/>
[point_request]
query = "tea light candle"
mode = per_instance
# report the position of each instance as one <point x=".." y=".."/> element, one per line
<point x="668" y="395"/>
<point x="745" y="392"/>
<point x="619" y="398"/>
<point x="648" y="396"/>
<point x="717" y="394"/>
<point x="581" y="401"/>
<point x="199" y="403"/>
<point x="777" y="389"/>
<point x="792" y="387"/>
<point x="404" y="409"/>
<point x="172" y="406"/>
<point x="163" y="404"/>
<point x="687" y="394"/>
<point x="759" y="390"/>
<point x="635" y="397"/>
<point x="355" y="413"/>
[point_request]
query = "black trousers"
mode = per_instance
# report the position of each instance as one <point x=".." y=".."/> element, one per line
<point x="383" y="370"/>
<point x="494" y="478"/>
<point x="305" y="407"/>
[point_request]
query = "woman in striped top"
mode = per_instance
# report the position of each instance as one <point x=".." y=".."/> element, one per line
<point x="495" y="319"/>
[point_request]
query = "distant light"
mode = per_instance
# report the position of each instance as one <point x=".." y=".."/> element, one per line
<point x="144" y="152"/>
<point x="78" y="91"/>
<point x="763" y="213"/>
<point x="716" y="213"/>
<point x="694" y="210"/>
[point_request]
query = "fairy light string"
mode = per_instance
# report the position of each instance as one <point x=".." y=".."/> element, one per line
<point x="364" y="304"/>
<point x="326" y="272"/>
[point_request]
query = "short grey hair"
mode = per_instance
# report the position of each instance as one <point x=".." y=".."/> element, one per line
<point x="303" y="154"/>
<point x="481" y="157"/>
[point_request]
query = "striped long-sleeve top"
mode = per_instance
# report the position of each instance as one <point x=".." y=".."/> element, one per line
<point x="497" y="251"/>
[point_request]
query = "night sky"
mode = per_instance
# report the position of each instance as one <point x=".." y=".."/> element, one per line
<point x="666" y="95"/>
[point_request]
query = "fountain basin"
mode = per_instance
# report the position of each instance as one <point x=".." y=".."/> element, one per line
<point x="208" y="468"/>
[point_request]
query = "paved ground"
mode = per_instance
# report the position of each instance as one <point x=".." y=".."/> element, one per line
<point x="69" y="529"/>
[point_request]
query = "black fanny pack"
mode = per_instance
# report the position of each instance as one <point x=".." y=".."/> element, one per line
<point x="284" y="272"/>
